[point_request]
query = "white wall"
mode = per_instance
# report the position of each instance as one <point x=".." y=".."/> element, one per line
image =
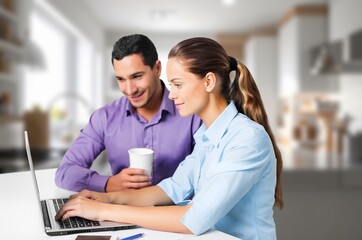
<point x="288" y="66"/>
<point x="260" y="55"/>
<point x="344" y="18"/>
<point x="82" y="20"/>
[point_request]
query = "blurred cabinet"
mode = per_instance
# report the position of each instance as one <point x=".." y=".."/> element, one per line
<point x="14" y="20"/>
<point x="301" y="29"/>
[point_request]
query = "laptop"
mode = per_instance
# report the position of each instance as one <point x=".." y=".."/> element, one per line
<point x="50" y="207"/>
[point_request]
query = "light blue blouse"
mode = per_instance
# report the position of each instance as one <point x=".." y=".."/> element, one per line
<point x="230" y="179"/>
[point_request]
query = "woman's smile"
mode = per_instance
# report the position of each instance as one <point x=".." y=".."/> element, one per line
<point x="179" y="105"/>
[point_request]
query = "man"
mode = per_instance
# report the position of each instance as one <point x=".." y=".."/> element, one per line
<point x="143" y="117"/>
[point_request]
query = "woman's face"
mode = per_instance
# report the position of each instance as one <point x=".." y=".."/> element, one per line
<point x="187" y="90"/>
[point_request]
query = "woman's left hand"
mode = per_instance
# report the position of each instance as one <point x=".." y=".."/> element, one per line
<point x="81" y="207"/>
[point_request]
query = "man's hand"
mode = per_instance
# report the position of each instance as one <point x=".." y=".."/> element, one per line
<point x="96" y="196"/>
<point x="128" y="178"/>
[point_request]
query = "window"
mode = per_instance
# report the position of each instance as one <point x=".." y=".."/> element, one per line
<point x="41" y="85"/>
<point x="68" y="87"/>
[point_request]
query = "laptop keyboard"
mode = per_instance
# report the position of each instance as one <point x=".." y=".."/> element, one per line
<point x="72" y="222"/>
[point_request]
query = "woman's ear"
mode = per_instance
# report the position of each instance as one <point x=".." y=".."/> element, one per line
<point x="210" y="81"/>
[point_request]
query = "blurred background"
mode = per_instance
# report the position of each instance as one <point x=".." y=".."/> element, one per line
<point x="306" y="56"/>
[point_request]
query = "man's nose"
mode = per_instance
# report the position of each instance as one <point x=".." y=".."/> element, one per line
<point x="130" y="87"/>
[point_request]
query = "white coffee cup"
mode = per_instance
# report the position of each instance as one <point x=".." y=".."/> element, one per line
<point x="141" y="158"/>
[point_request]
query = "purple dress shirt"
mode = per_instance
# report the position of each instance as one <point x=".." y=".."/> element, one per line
<point x="117" y="127"/>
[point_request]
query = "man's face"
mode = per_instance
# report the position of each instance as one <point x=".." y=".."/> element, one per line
<point x="137" y="81"/>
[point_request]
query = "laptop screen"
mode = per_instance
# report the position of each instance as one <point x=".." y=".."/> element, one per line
<point x="32" y="171"/>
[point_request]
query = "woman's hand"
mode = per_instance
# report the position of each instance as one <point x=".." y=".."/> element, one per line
<point x="81" y="206"/>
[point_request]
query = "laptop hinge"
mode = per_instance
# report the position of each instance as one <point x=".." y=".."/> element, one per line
<point x="46" y="219"/>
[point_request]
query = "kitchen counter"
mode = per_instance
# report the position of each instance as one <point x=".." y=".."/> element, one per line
<point x="15" y="160"/>
<point x="323" y="197"/>
<point x="304" y="159"/>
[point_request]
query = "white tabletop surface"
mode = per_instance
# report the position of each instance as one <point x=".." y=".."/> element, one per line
<point x="21" y="218"/>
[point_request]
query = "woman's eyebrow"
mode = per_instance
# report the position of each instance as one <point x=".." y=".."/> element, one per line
<point x="173" y="79"/>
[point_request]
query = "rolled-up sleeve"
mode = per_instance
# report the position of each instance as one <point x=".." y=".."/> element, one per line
<point x="209" y="205"/>
<point x="180" y="186"/>
<point x="228" y="182"/>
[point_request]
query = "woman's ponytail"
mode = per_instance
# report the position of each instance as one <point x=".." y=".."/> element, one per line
<point x="246" y="96"/>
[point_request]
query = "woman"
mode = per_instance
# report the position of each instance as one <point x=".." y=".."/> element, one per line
<point x="231" y="181"/>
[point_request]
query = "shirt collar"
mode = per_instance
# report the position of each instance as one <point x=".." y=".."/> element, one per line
<point x="218" y="128"/>
<point x="166" y="104"/>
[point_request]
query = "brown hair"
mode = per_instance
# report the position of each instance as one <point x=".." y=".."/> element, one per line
<point x="204" y="55"/>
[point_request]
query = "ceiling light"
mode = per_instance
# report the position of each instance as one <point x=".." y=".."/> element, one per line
<point x="228" y="2"/>
<point x="161" y="14"/>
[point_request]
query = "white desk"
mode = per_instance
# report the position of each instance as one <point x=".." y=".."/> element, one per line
<point x="20" y="217"/>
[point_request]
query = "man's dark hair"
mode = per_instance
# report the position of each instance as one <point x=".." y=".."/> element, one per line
<point x="135" y="44"/>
